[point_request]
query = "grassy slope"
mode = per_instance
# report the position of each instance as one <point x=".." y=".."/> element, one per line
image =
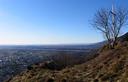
<point x="109" y="66"/>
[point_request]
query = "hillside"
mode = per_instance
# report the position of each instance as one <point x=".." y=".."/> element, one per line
<point x="111" y="65"/>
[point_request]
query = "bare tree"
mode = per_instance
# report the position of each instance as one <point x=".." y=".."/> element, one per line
<point x="110" y="22"/>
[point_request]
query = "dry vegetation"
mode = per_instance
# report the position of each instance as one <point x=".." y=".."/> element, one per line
<point x="109" y="66"/>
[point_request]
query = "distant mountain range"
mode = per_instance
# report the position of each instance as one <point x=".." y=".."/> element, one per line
<point x="62" y="47"/>
<point x="55" y="47"/>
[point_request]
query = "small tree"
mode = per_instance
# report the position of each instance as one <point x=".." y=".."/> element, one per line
<point x="110" y="22"/>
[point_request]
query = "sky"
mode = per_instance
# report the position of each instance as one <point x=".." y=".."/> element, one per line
<point x="51" y="21"/>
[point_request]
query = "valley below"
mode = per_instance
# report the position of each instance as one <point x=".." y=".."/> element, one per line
<point x="15" y="59"/>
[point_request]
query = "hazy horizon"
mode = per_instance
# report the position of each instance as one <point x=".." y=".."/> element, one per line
<point x="51" y="22"/>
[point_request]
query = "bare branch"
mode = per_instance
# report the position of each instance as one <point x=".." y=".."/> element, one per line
<point x="110" y="23"/>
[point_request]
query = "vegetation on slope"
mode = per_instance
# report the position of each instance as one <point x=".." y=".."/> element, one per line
<point x="109" y="66"/>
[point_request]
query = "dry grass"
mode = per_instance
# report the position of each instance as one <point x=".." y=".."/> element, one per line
<point x="109" y="66"/>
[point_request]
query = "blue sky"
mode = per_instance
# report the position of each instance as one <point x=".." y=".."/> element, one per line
<point x="50" y="21"/>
